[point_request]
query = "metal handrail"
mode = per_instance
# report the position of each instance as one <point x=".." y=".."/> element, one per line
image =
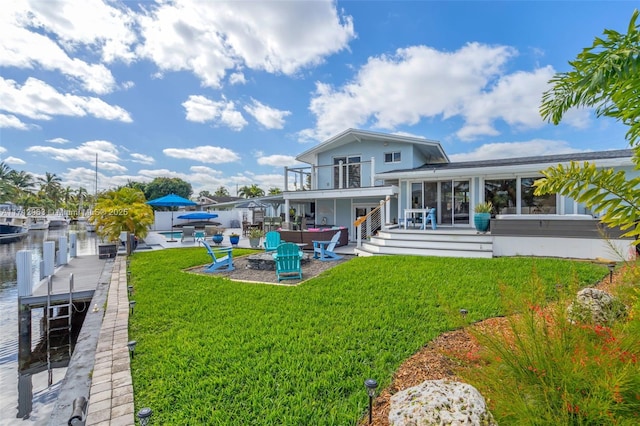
<point x="368" y="224"/>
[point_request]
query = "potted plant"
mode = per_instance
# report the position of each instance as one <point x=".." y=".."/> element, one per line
<point x="254" y="237"/>
<point x="217" y="235"/>
<point x="482" y="216"/>
<point x="234" y="239"/>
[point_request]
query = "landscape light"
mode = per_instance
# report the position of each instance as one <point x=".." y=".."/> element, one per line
<point x="464" y="313"/>
<point x="371" y="386"/>
<point x="130" y="289"/>
<point x="611" y="266"/>
<point x="144" y="415"/>
<point x="132" y="347"/>
<point x="132" y="304"/>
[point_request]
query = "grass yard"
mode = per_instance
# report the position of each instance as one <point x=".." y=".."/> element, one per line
<point x="214" y="351"/>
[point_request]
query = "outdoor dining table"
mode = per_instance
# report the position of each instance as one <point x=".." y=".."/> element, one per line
<point x="412" y="213"/>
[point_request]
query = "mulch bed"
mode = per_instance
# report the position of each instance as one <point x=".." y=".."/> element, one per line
<point x="438" y="359"/>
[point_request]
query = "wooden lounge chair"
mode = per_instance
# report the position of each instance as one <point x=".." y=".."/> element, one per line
<point x="187" y="233"/>
<point x="323" y="250"/>
<point x="222" y="257"/>
<point x="272" y="241"/>
<point x="288" y="258"/>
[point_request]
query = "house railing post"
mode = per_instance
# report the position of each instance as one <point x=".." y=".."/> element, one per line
<point x="373" y="172"/>
<point x="340" y="174"/>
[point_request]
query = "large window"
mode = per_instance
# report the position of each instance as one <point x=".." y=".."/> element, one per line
<point x="502" y="194"/>
<point x="532" y="204"/>
<point x="350" y="172"/>
<point x="509" y="198"/>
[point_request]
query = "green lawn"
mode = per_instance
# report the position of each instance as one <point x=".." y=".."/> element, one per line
<point x="214" y="351"/>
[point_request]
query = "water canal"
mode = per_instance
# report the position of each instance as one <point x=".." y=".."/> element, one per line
<point x="15" y="407"/>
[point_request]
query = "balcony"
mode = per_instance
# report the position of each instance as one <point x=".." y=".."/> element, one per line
<point x="335" y="176"/>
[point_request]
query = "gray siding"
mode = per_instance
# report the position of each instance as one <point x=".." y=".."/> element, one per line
<point x="552" y="228"/>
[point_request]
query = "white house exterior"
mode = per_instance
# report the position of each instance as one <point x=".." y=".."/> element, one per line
<point x="351" y="173"/>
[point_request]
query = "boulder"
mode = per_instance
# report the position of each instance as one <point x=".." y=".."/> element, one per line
<point x="595" y="306"/>
<point x="439" y="402"/>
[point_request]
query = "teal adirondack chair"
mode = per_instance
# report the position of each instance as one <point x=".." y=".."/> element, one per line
<point x="221" y="256"/>
<point x="271" y="241"/>
<point x="288" y="258"/>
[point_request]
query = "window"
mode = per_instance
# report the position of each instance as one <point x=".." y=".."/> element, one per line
<point x="392" y="157"/>
<point x="350" y="172"/>
<point x="502" y="194"/>
<point x="532" y="204"/>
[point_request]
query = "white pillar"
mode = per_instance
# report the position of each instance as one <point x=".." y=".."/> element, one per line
<point x="49" y="255"/>
<point x="23" y="269"/>
<point x="62" y="251"/>
<point x="73" y="242"/>
<point x="373" y="171"/>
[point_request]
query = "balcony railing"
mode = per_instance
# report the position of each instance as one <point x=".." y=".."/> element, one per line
<point x="334" y="176"/>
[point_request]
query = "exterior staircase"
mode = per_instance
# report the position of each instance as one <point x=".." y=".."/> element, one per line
<point x="446" y="242"/>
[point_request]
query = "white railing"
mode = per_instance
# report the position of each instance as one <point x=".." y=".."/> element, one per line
<point x="333" y="176"/>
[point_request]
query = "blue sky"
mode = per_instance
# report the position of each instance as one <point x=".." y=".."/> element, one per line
<point x="228" y="93"/>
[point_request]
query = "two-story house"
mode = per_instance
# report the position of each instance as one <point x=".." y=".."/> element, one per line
<point x="349" y="175"/>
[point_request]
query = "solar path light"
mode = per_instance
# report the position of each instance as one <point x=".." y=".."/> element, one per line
<point x="371" y="386"/>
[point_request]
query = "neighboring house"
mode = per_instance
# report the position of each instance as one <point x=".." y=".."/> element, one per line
<point x="351" y="173"/>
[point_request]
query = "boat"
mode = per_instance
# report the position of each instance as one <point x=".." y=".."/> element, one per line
<point x="13" y="224"/>
<point x="37" y="223"/>
<point x="57" y="221"/>
<point x="83" y="223"/>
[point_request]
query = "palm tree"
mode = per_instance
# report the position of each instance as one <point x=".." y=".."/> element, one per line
<point x="274" y="191"/>
<point x="21" y="182"/>
<point x="124" y="209"/>
<point x="51" y="187"/>
<point x="251" y="191"/>
<point x="221" y="192"/>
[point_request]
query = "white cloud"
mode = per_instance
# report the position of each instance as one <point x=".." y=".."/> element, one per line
<point x="107" y="153"/>
<point x="211" y="38"/>
<point x="237" y="78"/>
<point x="201" y="110"/>
<point x="491" y="151"/>
<point x="142" y="159"/>
<point x="10" y="121"/>
<point x="278" y="160"/>
<point x="86" y="177"/>
<point x="515" y="99"/>
<point x="3" y="150"/>
<point x="420" y="82"/>
<point x="38" y="100"/>
<point x="23" y="46"/>
<point x="14" y="160"/>
<point x="58" y="140"/>
<point x="93" y="23"/>
<point x="203" y="154"/>
<point x="270" y="118"/>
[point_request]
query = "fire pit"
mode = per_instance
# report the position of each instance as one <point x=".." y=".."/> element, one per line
<point x="265" y="262"/>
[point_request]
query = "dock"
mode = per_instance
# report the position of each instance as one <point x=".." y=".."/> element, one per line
<point x="86" y="272"/>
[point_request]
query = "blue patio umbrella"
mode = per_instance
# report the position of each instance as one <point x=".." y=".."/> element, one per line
<point x="171" y="200"/>
<point x="198" y="216"/>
